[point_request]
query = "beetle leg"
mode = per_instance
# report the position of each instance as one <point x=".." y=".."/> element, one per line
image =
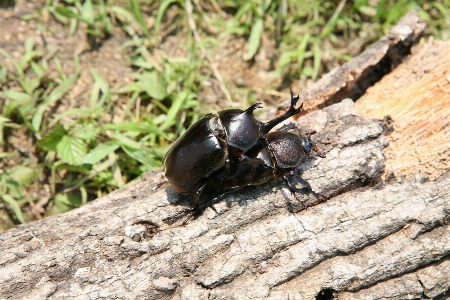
<point x="266" y="127"/>
<point x="197" y="195"/>
<point x="191" y="211"/>
<point x="188" y="218"/>
<point x="292" y="189"/>
<point x="176" y="215"/>
<point x="306" y="185"/>
<point x="319" y="154"/>
<point x="315" y="148"/>
<point x="159" y="185"/>
<point x="250" y="161"/>
<point x="289" y="126"/>
<point x="309" y="134"/>
<point x="300" y="180"/>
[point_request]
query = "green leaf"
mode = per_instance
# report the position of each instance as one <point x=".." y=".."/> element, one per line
<point x="140" y="62"/>
<point x="4" y="120"/>
<point x="100" y="84"/>
<point x="68" y="13"/>
<point x="153" y="84"/>
<point x="162" y="9"/>
<point x="24" y="175"/>
<point x="54" y="96"/>
<point x="18" y="101"/>
<point x="331" y="24"/>
<point x="123" y="14"/>
<point x="317" y="61"/>
<point x="79" y="112"/>
<point x="71" y="150"/>
<point x="174" y="109"/>
<point x="100" y="152"/>
<point x="302" y="50"/>
<point x="15" y="207"/>
<point x="6" y="154"/>
<point x="125" y="141"/>
<point x="20" y="97"/>
<point x="88" y="12"/>
<point x="135" y="126"/>
<point x="51" y="140"/>
<point x="265" y="5"/>
<point x="255" y="38"/>
<point x="307" y="71"/>
<point x="129" y="88"/>
<point x="135" y="7"/>
<point x="30" y="85"/>
<point x="100" y="81"/>
<point x="3" y="72"/>
<point x="66" y="202"/>
<point x="368" y="10"/>
<point x="9" y="186"/>
<point x="144" y="156"/>
<point x="37" y="69"/>
<point x="86" y="131"/>
<point x="13" y="61"/>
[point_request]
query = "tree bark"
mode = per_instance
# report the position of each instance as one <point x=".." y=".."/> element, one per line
<point x="376" y="237"/>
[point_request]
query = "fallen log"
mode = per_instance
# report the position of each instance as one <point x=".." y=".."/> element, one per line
<point x="375" y="237"/>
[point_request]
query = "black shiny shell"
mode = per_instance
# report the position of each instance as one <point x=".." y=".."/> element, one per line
<point x="287" y="148"/>
<point x="193" y="156"/>
<point x="241" y="127"/>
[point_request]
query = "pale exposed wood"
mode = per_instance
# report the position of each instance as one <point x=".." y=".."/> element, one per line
<point x="416" y="96"/>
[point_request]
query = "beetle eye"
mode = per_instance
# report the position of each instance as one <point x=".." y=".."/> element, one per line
<point x="307" y="144"/>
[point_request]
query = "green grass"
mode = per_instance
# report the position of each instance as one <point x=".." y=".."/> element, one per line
<point x="82" y="153"/>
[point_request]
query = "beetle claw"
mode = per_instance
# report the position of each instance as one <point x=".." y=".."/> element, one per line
<point x="159" y="185"/>
<point x="176" y="215"/>
<point x="294" y="99"/>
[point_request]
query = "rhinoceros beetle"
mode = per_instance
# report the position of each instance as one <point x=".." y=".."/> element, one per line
<point x="284" y="152"/>
<point x="227" y="151"/>
<point x="213" y="142"/>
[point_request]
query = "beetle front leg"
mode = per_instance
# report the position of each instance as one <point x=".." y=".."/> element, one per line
<point x="293" y="190"/>
<point x="306" y="185"/>
<point x="160" y="185"/>
<point x="190" y="211"/>
<point x="249" y="161"/>
<point x="286" y="127"/>
<point x="178" y="214"/>
<point x="315" y="148"/>
<point x="318" y="153"/>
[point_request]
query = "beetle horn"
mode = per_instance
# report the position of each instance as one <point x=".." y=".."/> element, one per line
<point x="266" y="127"/>
<point x="253" y="107"/>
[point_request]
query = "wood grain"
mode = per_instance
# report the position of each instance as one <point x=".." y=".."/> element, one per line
<point x="416" y="96"/>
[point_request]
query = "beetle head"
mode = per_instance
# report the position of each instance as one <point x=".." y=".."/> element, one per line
<point x="307" y="144"/>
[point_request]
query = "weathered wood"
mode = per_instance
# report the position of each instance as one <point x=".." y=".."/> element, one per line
<point x="87" y="250"/>
<point x="372" y="239"/>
